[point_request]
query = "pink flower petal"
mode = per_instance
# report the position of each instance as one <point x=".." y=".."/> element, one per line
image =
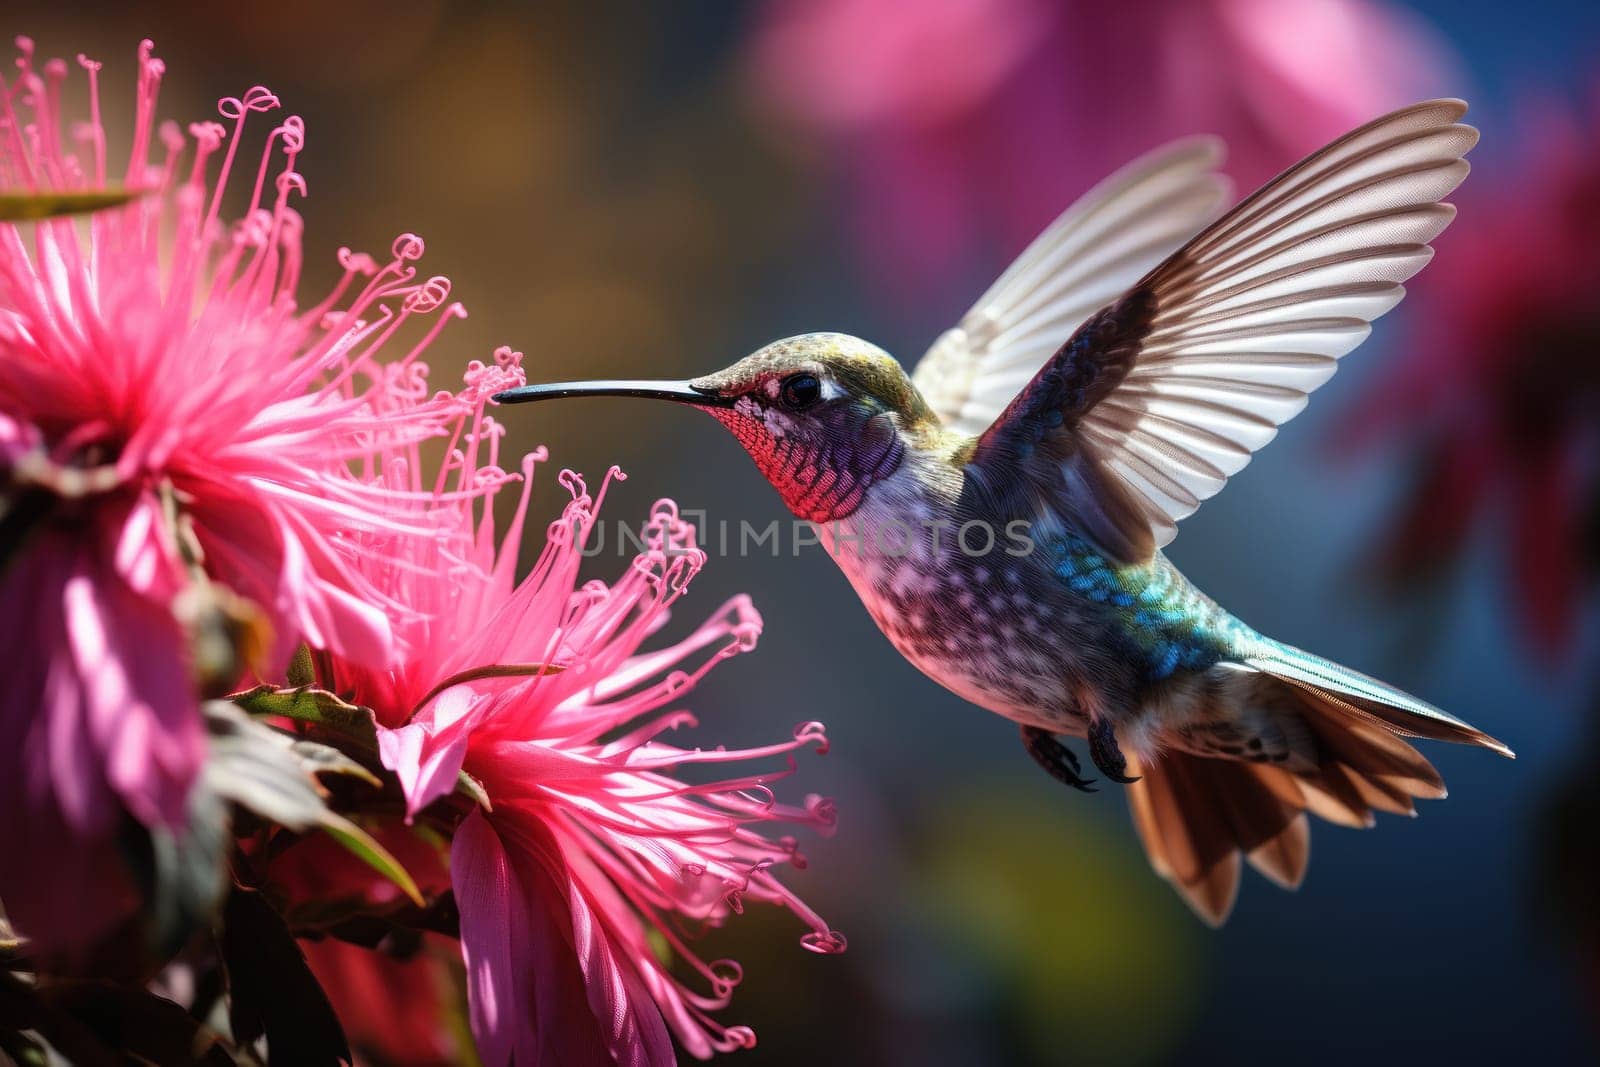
<point x="481" y="875"/>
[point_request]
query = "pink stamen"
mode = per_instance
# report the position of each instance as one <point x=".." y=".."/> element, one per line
<point x="257" y="98"/>
<point x="97" y="131"/>
<point x="149" y="88"/>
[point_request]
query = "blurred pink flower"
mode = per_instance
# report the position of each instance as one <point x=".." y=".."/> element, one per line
<point x="595" y="861"/>
<point x="961" y="127"/>
<point x="166" y="407"/>
<point x="97" y="714"/>
<point x="1498" y="393"/>
<point x="394" y="1011"/>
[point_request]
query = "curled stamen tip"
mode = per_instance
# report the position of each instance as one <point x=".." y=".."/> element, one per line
<point x="573" y="483"/>
<point x="359" y="262"/>
<point x="745" y="636"/>
<point x="725" y="976"/>
<point x="825" y="942"/>
<point x="742" y="1037"/>
<point x="822" y="809"/>
<point x="259" y="98"/>
<point x="88" y="64"/>
<point x="408" y="246"/>
<point x="681" y="571"/>
<point x="807" y="732"/>
<point x="293" y="132"/>
<point x="429" y="295"/>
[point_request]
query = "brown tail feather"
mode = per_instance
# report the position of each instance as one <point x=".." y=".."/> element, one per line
<point x="1198" y="815"/>
<point x="1361" y="697"/>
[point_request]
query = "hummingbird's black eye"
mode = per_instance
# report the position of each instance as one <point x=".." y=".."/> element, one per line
<point x="800" y="391"/>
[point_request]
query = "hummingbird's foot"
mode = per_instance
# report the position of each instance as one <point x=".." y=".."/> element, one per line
<point x="1105" y="753"/>
<point x="1055" y="757"/>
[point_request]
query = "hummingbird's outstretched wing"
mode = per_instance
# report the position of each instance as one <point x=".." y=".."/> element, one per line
<point x="1160" y="397"/>
<point x="1089" y="255"/>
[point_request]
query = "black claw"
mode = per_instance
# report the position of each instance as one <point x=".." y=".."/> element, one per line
<point x="1055" y="758"/>
<point x="1105" y="753"/>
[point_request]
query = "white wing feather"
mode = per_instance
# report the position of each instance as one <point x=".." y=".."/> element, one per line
<point x="1091" y="254"/>
<point x="1254" y="313"/>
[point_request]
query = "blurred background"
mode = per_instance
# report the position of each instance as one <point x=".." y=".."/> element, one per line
<point x="638" y="190"/>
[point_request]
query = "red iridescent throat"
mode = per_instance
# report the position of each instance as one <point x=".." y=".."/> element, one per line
<point x="821" y="481"/>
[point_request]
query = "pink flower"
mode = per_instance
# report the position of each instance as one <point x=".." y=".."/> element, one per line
<point x="167" y="411"/>
<point x="594" y="855"/>
<point x="957" y="125"/>
<point x="97" y="712"/>
<point x="1498" y="392"/>
<point x="400" y="1012"/>
<point x="395" y="1011"/>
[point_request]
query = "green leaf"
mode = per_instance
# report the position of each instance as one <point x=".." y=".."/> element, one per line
<point x="302" y="671"/>
<point x="272" y="774"/>
<point x="254" y="766"/>
<point x="311" y="705"/>
<point x="271" y="989"/>
<point x="318" y="758"/>
<point x="365" y="847"/>
<point x="23" y="207"/>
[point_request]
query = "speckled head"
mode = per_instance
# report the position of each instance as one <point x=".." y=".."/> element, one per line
<point x="824" y="415"/>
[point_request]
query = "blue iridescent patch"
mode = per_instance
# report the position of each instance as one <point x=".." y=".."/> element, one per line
<point x="1171" y="627"/>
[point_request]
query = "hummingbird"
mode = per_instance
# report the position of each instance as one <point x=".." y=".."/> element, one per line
<point x="1001" y="512"/>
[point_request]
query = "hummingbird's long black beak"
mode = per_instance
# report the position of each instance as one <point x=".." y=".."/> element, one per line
<point x="682" y="392"/>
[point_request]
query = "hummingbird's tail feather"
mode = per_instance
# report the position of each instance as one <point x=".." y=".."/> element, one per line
<point x="1342" y="689"/>
<point x="1200" y="815"/>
